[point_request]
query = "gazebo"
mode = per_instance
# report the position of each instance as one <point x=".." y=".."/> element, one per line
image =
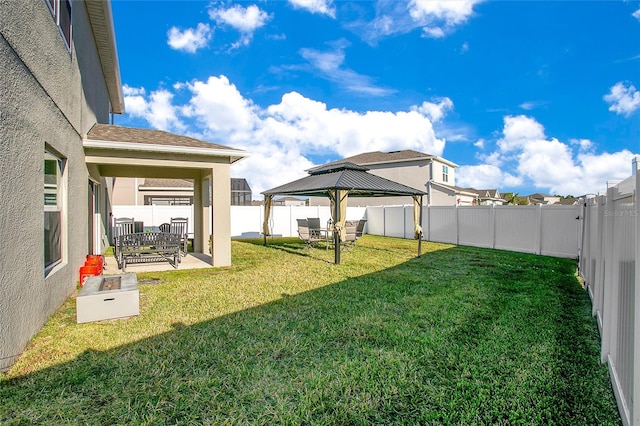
<point x="338" y="182"/>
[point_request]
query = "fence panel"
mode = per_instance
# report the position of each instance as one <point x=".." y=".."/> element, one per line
<point x="394" y="221"/>
<point x="560" y="230"/>
<point x="517" y="228"/>
<point x="443" y="224"/>
<point x="476" y="226"/>
<point x="620" y="221"/>
<point x="375" y="220"/>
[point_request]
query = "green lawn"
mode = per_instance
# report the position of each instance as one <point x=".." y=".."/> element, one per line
<point x="459" y="336"/>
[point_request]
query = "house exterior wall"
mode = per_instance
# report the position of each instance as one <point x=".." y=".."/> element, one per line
<point x="46" y="101"/>
<point x="124" y="192"/>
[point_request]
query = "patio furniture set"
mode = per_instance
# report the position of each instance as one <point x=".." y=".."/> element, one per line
<point x="310" y="231"/>
<point x="169" y="244"/>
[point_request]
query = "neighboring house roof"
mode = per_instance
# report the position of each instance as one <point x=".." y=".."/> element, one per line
<point x="378" y="157"/>
<point x="167" y="183"/>
<point x="130" y="138"/>
<point x="455" y="189"/>
<point x="567" y="201"/>
<point x="104" y="34"/>
<point x="486" y="194"/>
<point x="344" y="176"/>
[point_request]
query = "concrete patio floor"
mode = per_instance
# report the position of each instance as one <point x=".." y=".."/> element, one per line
<point x="190" y="261"/>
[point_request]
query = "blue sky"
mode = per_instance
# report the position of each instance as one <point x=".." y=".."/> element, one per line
<point x="525" y="96"/>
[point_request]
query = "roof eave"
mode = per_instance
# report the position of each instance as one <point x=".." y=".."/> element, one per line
<point x="101" y="19"/>
<point x="233" y="154"/>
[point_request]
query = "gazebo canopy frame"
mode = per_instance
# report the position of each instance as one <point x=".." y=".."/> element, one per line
<point x="338" y="182"/>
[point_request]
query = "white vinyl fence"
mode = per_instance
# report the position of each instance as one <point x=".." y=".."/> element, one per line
<point x="550" y="230"/>
<point x="246" y="221"/>
<point x="610" y="267"/>
<point x="604" y="235"/>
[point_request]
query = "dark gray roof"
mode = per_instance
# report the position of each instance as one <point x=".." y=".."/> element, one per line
<point x="344" y="176"/>
<point x="110" y="132"/>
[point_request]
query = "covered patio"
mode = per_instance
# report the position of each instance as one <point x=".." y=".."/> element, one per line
<point x="338" y="182"/>
<point x="115" y="151"/>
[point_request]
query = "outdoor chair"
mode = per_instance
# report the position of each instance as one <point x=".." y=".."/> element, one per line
<point x="350" y="237"/>
<point x="121" y="226"/>
<point x="165" y="227"/>
<point x="306" y="235"/>
<point x="314" y="225"/>
<point x="360" y="228"/>
<point x="179" y="225"/>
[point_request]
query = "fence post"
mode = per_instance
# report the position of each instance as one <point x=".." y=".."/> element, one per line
<point x="539" y="229"/>
<point x="635" y="354"/>
<point x="610" y="296"/>
<point x="492" y="225"/>
<point x="457" y="225"/>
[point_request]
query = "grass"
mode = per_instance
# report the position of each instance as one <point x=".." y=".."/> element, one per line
<point x="459" y="336"/>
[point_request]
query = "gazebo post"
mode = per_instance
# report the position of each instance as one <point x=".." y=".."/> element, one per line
<point x="420" y="236"/>
<point x="336" y="235"/>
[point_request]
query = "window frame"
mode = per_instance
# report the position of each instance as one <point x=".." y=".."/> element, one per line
<point x="445" y="173"/>
<point x="60" y="18"/>
<point x="56" y="206"/>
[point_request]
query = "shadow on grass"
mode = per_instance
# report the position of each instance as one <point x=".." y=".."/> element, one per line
<point x="461" y="335"/>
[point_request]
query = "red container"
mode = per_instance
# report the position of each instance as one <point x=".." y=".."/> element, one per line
<point x="94" y="259"/>
<point x="89" y="271"/>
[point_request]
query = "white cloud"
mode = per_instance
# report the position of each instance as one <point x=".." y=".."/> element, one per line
<point x="323" y="7"/>
<point x="479" y="143"/>
<point x="623" y="100"/>
<point x="435" y="111"/>
<point x="636" y="14"/>
<point x="518" y="131"/>
<point x="219" y="108"/>
<point x="525" y="155"/>
<point x="246" y="20"/>
<point x="157" y="109"/>
<point x="485" y="176"/>
<point x="440" y="17"/>
<point x="132" y="91"/>
<point x="330" y="65"/>
<point x="436" y="18"/>
<point x="283" y="136"/>
<point x="190" y="39"/>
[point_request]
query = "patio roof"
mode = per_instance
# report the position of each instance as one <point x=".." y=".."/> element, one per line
<point x="344" y="176"/>
<point x="117" y="151"/>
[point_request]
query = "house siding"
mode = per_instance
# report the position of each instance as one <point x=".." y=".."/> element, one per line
<point x="45" y="100"/>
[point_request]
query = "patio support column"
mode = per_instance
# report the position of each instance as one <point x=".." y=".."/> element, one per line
<point x="200" y="244"/>
<point x="221" y="214"/>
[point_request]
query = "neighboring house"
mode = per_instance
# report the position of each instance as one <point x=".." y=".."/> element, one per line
<point x="289" y="201"/>
<point x="486" y="197"/>
<point x="60" y="82"/>
<point x="169" y="192"/>
<point x="539" y="198"/>
<point x="418" y="170"/>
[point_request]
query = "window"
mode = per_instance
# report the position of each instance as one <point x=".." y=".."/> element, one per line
<point x="61" y="12"/>
<point x="240" y="192"/>
<point x="53" y="202"/>
<point x="445" y="173"/>
<point x="166" y="200"/>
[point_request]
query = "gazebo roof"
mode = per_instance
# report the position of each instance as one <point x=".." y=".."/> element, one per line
<point x="344" y="176"/>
